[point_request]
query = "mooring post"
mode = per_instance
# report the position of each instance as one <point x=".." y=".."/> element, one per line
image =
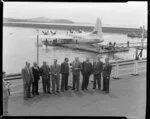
<point x="135" y="73"/>
<point x="116" y="71"/>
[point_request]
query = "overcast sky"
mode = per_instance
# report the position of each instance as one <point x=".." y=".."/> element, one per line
<point x="120" y="14"/>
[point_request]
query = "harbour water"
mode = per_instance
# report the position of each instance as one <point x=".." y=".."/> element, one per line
<point x="19" y="46"/>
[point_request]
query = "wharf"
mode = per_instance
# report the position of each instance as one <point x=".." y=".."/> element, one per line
<point x="124" y="99"/>
<point x="90" y="48"/>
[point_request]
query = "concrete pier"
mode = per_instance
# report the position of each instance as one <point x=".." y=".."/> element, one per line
<point x="127" y="98"/>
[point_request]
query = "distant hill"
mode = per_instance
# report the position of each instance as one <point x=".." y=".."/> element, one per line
<point x="39" y="20"/>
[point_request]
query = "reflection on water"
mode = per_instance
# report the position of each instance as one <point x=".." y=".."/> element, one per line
<point x="20" y="47"/>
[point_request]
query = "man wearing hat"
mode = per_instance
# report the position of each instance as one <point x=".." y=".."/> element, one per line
<point x="97" y="70"/>
<point x="106" y="75"/>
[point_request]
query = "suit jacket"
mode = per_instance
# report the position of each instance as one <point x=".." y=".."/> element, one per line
<point x="27" y="76"/>
<point x="55" y="70"/>
<point x="74" y="70"/>
<point x="97" y="68"/>
<point x="64" y="68"/>
<point x="107" y="70"/>
<point x="86" y="68"/>
<point x="45" y="72"/>
<point x="36" y="73"/>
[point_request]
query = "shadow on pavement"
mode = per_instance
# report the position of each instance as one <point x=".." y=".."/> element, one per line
<point x="68" y="93"/>
<point x="78" y="93"/>
<point x="89" y="92"/>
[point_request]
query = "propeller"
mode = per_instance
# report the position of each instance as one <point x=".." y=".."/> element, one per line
<point x="45" y="33"/>
<point x="53" y="33"/>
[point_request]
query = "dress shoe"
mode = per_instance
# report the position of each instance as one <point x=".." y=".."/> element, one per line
<point x="49" y="92"/>
<point x="37" y="93"/>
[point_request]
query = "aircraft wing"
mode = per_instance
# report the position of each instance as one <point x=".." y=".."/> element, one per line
<point x="52" y="37"/>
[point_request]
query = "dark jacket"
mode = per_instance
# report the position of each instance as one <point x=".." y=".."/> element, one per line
<point x="44" y="71"/>
<point x="36" y="73"/>
<point x="86" y="68"/>
<point x="107" y="70"/>
<point x="64" y="68"/>
<point x="97" y="68"/>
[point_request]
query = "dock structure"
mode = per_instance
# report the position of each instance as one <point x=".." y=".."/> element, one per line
<point x="90" y="48"/>
<point x="133" y="45"/>
<point x="93" y="103"/>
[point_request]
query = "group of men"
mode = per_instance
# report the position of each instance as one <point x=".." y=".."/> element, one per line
<point x="31" y="76"/>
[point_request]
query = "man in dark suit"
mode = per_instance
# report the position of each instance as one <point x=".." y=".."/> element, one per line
<point x="86" y="72"/>
<point x="45" y="73"/>
<point x="106" y="75"/>
<point x="55" y="71"/>
<point x="28" y="78"/>
<point x="97" y="70"/>
<point x="65" y="74"/>
<point x="36" y="75"/>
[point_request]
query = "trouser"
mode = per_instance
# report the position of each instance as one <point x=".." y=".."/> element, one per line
<point x="106" y="84"/>
<point x="55" y="83"/>
<point x="76" y="82"/>
<point x="46" y="84"/>
<point x="35" y="87"/>
<point x="97" y="79"/>
<point x="64" y="82"/>
<point x="28" y="89"/>
<point x="85" y="81"/>
<point x="25" y="90"/>
<point x="5" y="105"/>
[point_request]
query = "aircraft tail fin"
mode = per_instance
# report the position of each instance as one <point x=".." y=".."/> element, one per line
<point x="98" y="28"/>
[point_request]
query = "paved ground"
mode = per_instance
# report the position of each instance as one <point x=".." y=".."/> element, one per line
<point x="127" y="98"/>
